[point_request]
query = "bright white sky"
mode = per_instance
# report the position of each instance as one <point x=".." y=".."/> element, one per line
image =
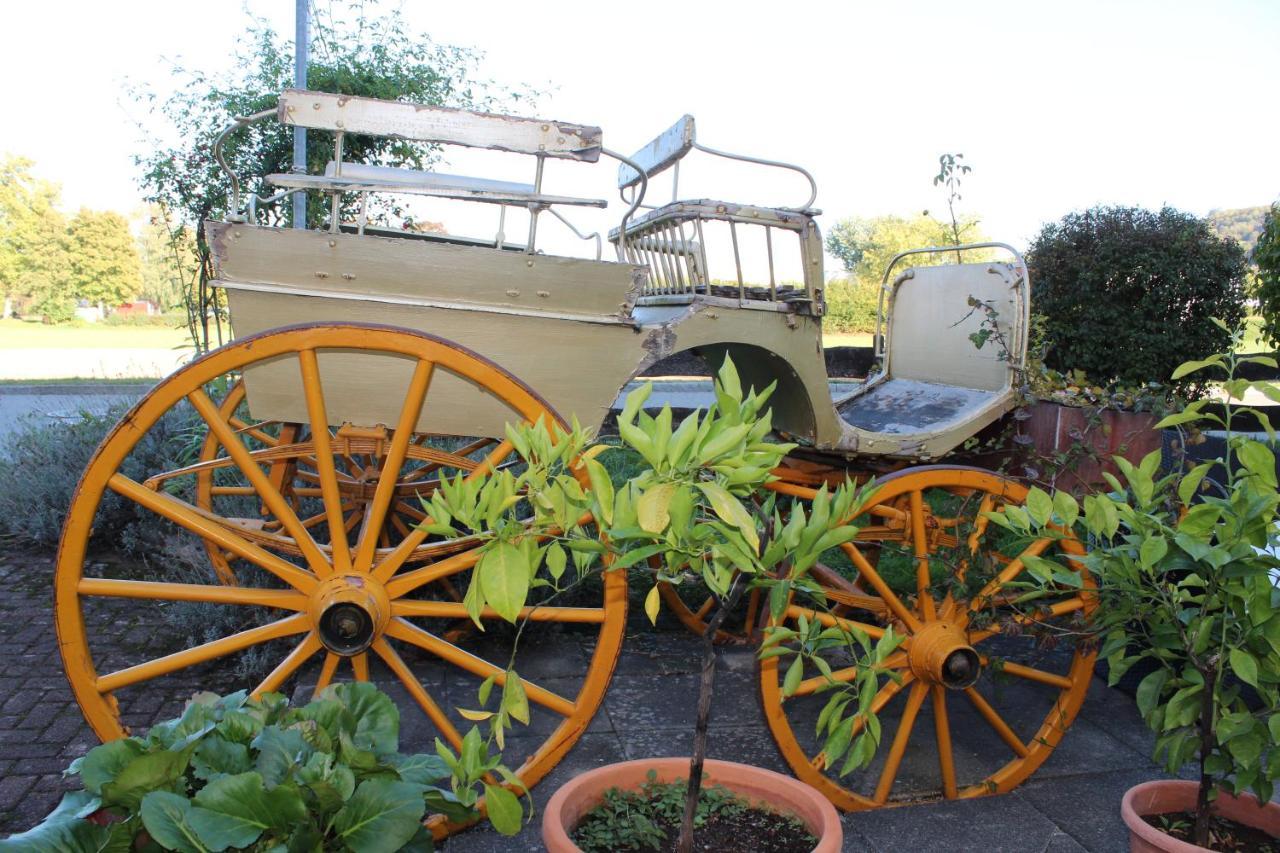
<point x="1057" y="106"/>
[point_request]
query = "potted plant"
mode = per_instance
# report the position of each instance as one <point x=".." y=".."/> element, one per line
<point x="695" y="512"/>
<point x="1186" y="570"/>
<point x="243" y="773"/>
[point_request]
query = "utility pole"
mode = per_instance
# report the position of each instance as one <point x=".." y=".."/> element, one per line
<point x="302" y="41"/>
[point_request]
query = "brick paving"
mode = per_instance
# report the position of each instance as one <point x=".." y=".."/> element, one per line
<point x="1071" y="804"/>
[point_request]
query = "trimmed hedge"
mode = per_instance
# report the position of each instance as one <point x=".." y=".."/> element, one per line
<point x="1128" y="294"/>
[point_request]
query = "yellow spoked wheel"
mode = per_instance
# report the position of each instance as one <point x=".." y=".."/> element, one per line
<point x="311" y="584"/>
<point x="995" y="665"/>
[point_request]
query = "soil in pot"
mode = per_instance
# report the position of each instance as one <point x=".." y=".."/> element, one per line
<point x="1225" y="835"/>
<point x="648" y="821"/>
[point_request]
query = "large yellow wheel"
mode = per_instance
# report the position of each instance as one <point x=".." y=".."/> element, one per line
<point x="998" y="668"/>
<point x="321" y="591"/>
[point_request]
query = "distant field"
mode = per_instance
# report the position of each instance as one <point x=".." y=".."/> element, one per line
<point x="846" y="339"/>
<point x="19" y="334"/>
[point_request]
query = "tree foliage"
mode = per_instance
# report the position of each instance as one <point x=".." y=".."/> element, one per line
<point x="1267" y="256"/>
<point x="368" y="51"/>
<point x="865" y="246"/>
<point x="1242" y="224"/>
<point x="32" y="248"/>
<point x="103" y="266"/>
<point x="1128" y="294"/>
<point x="169" y="259"/>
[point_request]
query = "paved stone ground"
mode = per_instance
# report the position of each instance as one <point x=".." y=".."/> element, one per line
<point x="1071" y="804"/>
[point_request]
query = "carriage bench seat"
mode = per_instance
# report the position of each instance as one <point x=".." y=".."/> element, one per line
<point x="909" y="406"/>
<point x="358" y="177"/>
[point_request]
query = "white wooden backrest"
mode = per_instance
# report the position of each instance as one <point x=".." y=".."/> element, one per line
<point x="661" y="153"/>
<point x="350" y="114"/>
<point x="930" y="321"/>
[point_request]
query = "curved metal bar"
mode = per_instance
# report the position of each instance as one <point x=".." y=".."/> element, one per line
<point x="255" y="200"/>
<point x="639" y="198"/>
<point x="594" y="235"/>
<point x="240" y="121"/>
<point x="813" y="185"/>
<point x="1020" y="345"/>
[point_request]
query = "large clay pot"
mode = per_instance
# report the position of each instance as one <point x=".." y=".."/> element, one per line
<point x="782" y="793"/>
<point x="1054" y="429"/>
<point x="1177" y="795"/>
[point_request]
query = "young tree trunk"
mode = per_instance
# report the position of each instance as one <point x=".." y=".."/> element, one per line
<point x="706" y="690"/>
<point x="1206" y="749"/>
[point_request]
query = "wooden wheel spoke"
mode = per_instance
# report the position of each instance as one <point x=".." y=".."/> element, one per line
<point x="326" y="471"/>
<point x="997" y="722"/>
<point x="269" y="494"/>
<point x="188" y="517"/>
<point x="831" y="621"/>
<point x="242" y="428"/>
<point x="701" y="612"/>
<point x="900" y="738"/>
<point x="327" y="669"/>
<point x="301" y="653"/>
<point x="868" y="573"/>
<point x="942" y="731"/>
<point x="920" y="546"/>
<point x="163" y="591"/>
<point x="360" y="666"/>
<point x="419" y="693"/>
<point x="1032" y="674"/>
<point x="457" y="610"/>
<point x="410" y="413"/>
<point x="402" y="630"/>
<point x="295" y="624"/>
<point x="1008" y="573"/>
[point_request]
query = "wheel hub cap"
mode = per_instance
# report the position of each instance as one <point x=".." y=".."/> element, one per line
<point x="349" y="613"/>
<point x="941" y="654"/>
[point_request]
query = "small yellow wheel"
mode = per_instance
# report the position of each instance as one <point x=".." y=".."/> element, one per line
<point x="295" y="574"/>
<point x="1002" y="671"/>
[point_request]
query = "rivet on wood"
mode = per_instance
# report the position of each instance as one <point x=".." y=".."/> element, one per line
<point x="349" y="276"/>
<point x="321" y="274"/>
<point x="544" y="293"/>
<point x="332" y="243"/>
<point x="513" y="293"/>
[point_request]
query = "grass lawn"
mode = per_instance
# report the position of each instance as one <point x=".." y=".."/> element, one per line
<point x="19" y="334"/>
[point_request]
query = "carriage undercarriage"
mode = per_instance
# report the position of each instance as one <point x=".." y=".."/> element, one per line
<point x="368" y="368"/>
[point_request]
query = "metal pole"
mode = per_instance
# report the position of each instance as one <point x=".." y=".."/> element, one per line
<point x="301" y="43"/>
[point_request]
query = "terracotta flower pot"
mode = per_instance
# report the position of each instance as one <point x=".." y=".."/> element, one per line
<point x="1179" y="795"/>
<point x="784" y="794"/>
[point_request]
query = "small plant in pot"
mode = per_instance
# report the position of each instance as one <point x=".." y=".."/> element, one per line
<point x="695" y="512"/>
<point x="1186" y="572"/>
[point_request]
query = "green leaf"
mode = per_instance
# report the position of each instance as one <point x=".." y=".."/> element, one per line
<point x="504" y="579"/>
<point x="503" y="808"/>
<point x="216" y="756"/>
<point x="102" y="763"/>
<point x="376" y="715"/>
<point x="795" y="673"/>
<point x="1199" y="520"/>
<point x="1192" y="366"/>
<point x="151" y="772"/>
<point x="1259" y="460"/>
<point x="1245" y="666"/>
<point x="652" y="508"/>
<point x="731" y="511"/>
<point x="381" y="816"/>
<point x="1191" y="482"/>
<point x="1149" y="690"/>
<point x="556" y="560"/>
<point x="70" y="835"/>
<point x="1039" y="506"/>
<point x="1066" y="508"/>
<point x="652" y="603"/>
<point x="1152" y="551"/>
<point x="514" y="699"/>
<point x="1177" y="418"/>
<point x="422" y="769"/>
<point x="233" y="811"/>
<point x="166" y="816"/>
<point x="602" y="487"/>
<point x="279" y="751"/>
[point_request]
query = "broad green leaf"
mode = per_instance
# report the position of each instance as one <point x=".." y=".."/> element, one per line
<point x="1039" y="506"/>
<point x="377" y="717"/>
<point x="1259" y="460"/>
<point x="1199" y="520"/>
<point x="1192" y="366"/>
<point x="1245" y="666"/>
<point x="102" y="763"/>
<point x="503" y="808"/>
<point x="514" y="699"/>
<point x="70" y="835"/>
<point x="652" y="508"/>
<point x="232" y="811"/>
<point x="1152" y="551"/>
<point x="166" y="816"/>
<point x="1149" y="689"/>
<point x="1177" y="418"/>
<point x="1066" y="508"/>
<point x="216" y="756"/>
<point x="381" y="816"/>
<point x="504" y="579"/>
<point x="422" y="769"/>
<point x="731" y="511"/>
<point x="279" y="751"/>
<point x="151" y="772"/>
<point x="1191" y="482"/>
<point x="795" y="673"/>
<point x="652" y="603"/>
<point x="556" y="559"/>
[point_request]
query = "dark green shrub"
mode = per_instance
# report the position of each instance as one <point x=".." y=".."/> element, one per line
<point x="1128" y="294"/>
<point x="851" y="305"/>
<point x="1266" y="255"/>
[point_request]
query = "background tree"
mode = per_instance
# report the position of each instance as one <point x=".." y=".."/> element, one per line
<point x="103" y="263"/>
<point x="1242" y="224"/>
<point x="169" y="259"/>
<point x="1128" y="294"/>
<point x="1267" y="257"/>
<point x="368" y="51"/>
<point x="32" y="254"/>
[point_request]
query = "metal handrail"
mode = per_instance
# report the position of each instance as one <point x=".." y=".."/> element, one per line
<point x="760" y="161"/>
<point x="240" y="121"/>
<point x="881" y="342"/>
<point x="639" y="198"/>
<point x="595" y="234"/>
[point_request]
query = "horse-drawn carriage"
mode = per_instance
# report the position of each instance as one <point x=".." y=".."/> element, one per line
<point x="370" y="364"/>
